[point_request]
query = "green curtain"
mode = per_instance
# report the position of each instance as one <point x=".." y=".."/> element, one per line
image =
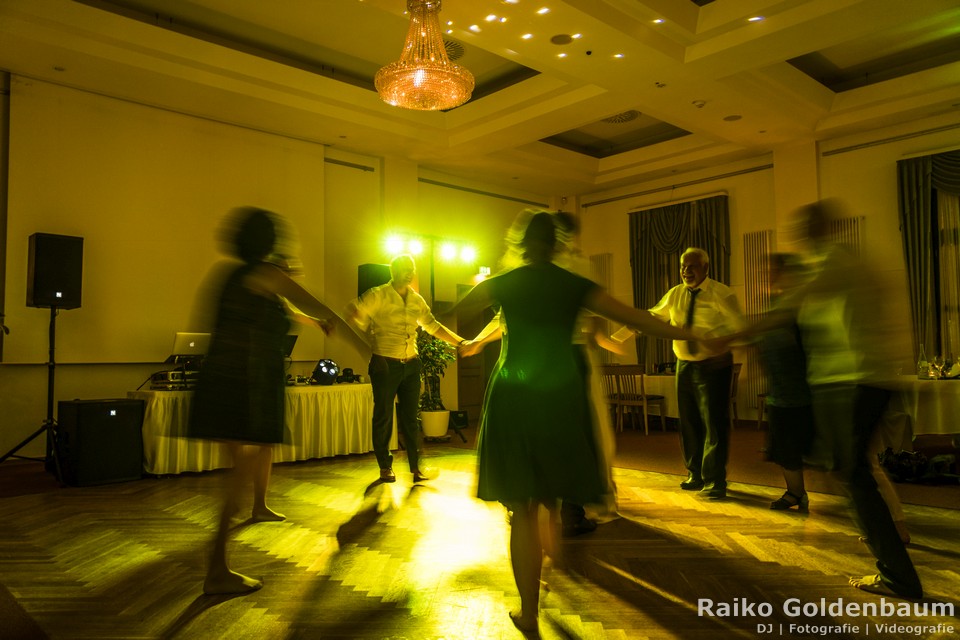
<point x="657" y="239"/>
<point x="917" y="222"/>
<point x="945" y="172"/>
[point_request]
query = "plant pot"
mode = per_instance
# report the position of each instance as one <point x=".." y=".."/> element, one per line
<point x="435" y="423"/>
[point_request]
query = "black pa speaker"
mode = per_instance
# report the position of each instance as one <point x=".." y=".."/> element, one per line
<point x="100" y="441"/>
<point x="54" y="271"/>
<point x="371" y="275"/>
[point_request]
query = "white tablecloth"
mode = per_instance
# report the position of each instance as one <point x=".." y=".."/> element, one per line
<point x="323" y="421"/>
<point x="933" y="406"/>
<point x="665" y="386"/>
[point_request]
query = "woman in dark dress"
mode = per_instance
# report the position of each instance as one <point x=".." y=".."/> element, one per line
<point x="240" y="393"/>
<point x="536" y="444"/>
<point x="788" y="401"/>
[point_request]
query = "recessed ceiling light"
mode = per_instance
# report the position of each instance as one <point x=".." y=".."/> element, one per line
<point x="755" y="19"/>
<point x="503" y="19"/>
<point x="449" y="23"/>
<point x="561" y="55"/>
<point x="475" y="28"/>
<point x="543" y="10"/>
<point x="527" y="36"/>
<point x="491" y="18"/>
<point x="449" y="31"/>
<point x="618" y="55"/>
<point x="576" y="36"/>
<point x="658" y="21"/>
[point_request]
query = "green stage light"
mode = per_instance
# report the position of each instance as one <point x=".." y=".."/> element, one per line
<point x="415" y="247"/>
<point x="448" y="251"/>
<point x="394" y="245"/>
<point x="468" y="255"/>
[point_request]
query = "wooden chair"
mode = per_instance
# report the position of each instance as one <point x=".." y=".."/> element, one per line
<point x="734" y="386"/>
<point x="611" y="392"/>
<point x="761" y="409"/>
<point x="633" y="393"/>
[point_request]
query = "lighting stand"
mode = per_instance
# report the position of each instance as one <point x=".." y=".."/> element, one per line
<point x="49" y="425"/>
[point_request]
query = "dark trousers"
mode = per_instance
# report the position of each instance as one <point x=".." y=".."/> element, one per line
<point x="851" y="413"/>
<point x="394" y="380"/>
<point x="703" y="403"/>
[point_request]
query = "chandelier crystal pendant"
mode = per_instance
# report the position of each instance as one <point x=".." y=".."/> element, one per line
<point x="424" y="78"/>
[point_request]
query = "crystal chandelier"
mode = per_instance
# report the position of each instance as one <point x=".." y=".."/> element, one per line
<point x="424" y="78"/>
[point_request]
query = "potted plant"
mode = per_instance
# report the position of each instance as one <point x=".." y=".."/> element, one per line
<point x="435" y="356"/>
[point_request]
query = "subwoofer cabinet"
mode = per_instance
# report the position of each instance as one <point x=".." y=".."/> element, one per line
<point x="100" y="441"/>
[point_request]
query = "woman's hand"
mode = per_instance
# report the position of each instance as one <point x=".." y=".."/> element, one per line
<point x="328" y="326"/>
<point x="469" y="348"/>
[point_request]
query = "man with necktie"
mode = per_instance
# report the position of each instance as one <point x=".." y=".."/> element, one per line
<point x="704" y="370"/>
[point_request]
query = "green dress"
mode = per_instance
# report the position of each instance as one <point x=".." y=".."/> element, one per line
<point x="536" y="438"/>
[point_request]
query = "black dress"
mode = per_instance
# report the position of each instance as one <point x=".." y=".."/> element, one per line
<point x="240" y="391"/>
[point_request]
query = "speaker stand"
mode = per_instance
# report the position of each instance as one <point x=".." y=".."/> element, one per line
<point x="52" y="458"/>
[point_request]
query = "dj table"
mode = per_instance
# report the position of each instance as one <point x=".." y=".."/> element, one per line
<point x="323" y="421"/>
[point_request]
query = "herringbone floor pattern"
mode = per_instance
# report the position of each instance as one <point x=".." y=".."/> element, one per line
<point x="355" y="560"/>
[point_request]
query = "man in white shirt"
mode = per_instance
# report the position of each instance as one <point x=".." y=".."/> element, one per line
<point x="709" y="309"/>
<point x="388" y="315"/>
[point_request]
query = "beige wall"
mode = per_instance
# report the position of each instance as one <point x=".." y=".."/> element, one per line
<point x="858" y="169"/>
<point x="146" y="189"/>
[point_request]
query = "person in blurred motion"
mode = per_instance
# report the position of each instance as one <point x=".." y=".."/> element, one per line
<point x="844" y="325"/>
<point x="589" y="336"/>
<point x="536" y="445"/>
<point x="389" y="315"/>
<point x="704" y="372"/>
<point x="239" y="399"/>
<point x="788" y="401"/>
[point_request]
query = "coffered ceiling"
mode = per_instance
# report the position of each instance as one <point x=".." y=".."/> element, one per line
<point x="572" y="97"/>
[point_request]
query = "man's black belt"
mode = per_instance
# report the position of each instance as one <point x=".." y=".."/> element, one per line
<point x="400" y="360"/>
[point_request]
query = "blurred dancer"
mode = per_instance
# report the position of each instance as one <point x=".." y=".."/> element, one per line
<point x="240" y="392"/>
<point x="844" y="328"/>
<point x="536" y="444"/>
<point x="788" y="402"/>
<point x="588" y="338"/>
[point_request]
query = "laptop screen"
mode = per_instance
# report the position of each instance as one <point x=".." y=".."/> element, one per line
<point x="191" y="344"/>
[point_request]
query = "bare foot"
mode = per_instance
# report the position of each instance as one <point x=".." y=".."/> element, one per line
<point x="526" y="624"/>
<point x="872" y="584"/>
<point x="230" y="583"/>
<point x="266" y="514"/>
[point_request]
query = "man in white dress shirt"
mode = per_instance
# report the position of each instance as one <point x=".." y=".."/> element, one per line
<point x="388" y="315"/>
<point x="709" y="309"/>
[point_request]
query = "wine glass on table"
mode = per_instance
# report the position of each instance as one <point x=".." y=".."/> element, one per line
<point x="938" y="366"/>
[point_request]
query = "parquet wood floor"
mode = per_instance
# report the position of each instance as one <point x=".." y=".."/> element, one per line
<point x="355" y="560"/>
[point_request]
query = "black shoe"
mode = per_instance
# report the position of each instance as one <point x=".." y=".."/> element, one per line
<point x="789" y="500"/>
<point x="422" y="475"/>
<point x="714" y="493"/>
<point x="387" y="475"/>
<point x="691" y="484"/>
<point x="584" y="525"/>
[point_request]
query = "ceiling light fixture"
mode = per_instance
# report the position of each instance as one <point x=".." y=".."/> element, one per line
<point x="424" y="79"/>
